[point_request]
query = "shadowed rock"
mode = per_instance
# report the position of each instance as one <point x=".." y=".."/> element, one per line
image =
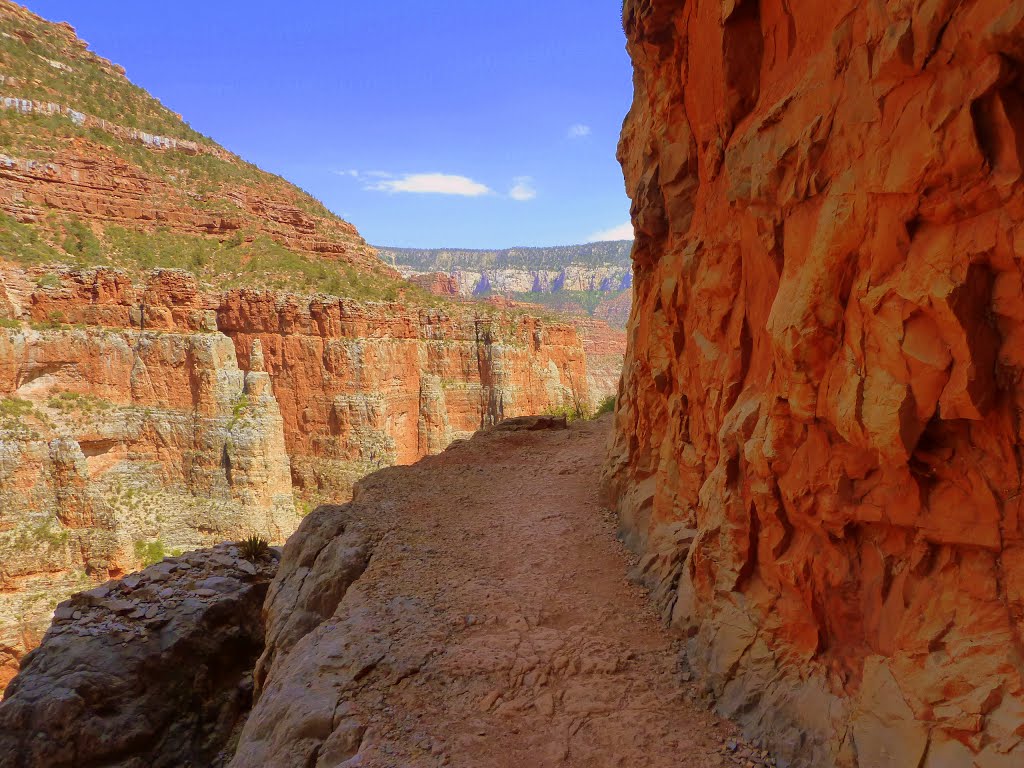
<point x="150" y="671"/>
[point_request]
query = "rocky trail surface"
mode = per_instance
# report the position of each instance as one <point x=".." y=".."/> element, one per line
<point x="475" y="610"/>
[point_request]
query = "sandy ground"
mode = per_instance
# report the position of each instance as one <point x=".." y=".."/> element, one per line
<point x="496" y="625"/>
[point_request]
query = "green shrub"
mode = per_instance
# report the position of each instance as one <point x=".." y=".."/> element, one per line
<point x="73" y="401"/>
<point x="149" y="552"/>
<point x="80" y="243"/>
<point x="607" y="406"/>
<point x="14" y="408"/>
<point x="569" y="411"/>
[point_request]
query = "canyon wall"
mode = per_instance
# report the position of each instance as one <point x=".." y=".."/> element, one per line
<point x="818" y="445"/>
<point x="607" y="278"/>
<point x="140" y="419"/>
<point x="594" y="279"/>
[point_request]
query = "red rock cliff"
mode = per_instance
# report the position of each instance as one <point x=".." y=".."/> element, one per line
<point x="136" y="418"/>
<point x="818" y="445"/>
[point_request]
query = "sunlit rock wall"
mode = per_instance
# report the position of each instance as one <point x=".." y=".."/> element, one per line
<point x="818" y="447"/>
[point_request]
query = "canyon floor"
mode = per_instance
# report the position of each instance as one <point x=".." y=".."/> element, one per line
<point x="495" y="625"/>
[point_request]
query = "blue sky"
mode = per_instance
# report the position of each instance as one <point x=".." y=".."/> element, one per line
<point x="461" y="123"/>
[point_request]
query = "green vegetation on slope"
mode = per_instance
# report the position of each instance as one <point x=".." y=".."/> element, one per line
<point x="52" y="65"/>
<point x="235" y="263"/>
<point x="559" y="301"/>
<point x="46" y="62"/>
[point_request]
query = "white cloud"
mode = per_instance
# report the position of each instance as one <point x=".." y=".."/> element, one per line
<point x="621" y="232"/>
<point x="433" y="184"/>
<point x="523" y="189"/>
<point x="355" y="174"/>
<point x="578" y="131"/>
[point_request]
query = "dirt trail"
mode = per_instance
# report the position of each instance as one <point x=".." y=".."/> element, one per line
<point x="495" y="626"/>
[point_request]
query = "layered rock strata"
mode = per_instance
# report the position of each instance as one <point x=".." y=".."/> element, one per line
<point x="153" y="670"/>
<point x="818" y="447"/>
<point x="84" y="146"/>
<point x="607" y="278"/>
<point x="136" y="420"/>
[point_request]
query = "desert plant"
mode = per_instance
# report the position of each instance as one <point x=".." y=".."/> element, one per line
<point x="607" y="406"/>
<point x="253" y="547"/>
<point x="580" y="409"/>
<point x="149" y="552"/>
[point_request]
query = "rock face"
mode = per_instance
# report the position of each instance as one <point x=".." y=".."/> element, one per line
<point x="153" y="670"/>
<point x="606" y="349"/>
<point x="818" y="447"/>
<point x="601" y="266"/>
<point x="141" y="419"/>
<point x="574" y="277"/>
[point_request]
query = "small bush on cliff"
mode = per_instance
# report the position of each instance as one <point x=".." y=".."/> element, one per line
<point x="253" y="547"/>
<point x="81" y="243"/>
<point x="21" y="243"/>
<point x="569" y="412"/>
<point x="15" y="416"/>
<point x="239" y="410"/>
<point x="149" y="552"/>
<point x="67" y="402"/>
<point x="14" y="408"/>
<point x="44" y="533"/>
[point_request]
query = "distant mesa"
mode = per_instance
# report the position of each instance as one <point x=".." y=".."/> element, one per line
<point x="593" y="279"/>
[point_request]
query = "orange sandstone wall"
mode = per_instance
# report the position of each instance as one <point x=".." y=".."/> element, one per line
<point x="818" y="445"/>
<point x="386" y="384"/>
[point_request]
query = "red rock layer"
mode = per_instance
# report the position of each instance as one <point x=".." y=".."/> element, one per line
<point x="437" y="283"/>
<point x="88" y="180"/>
<point x="818" y="446"/>
<point x="377" y="383"/>
<point x="133" y="414"/>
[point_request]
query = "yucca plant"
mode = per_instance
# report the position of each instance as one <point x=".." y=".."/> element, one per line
<point x="253" y="547"/>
